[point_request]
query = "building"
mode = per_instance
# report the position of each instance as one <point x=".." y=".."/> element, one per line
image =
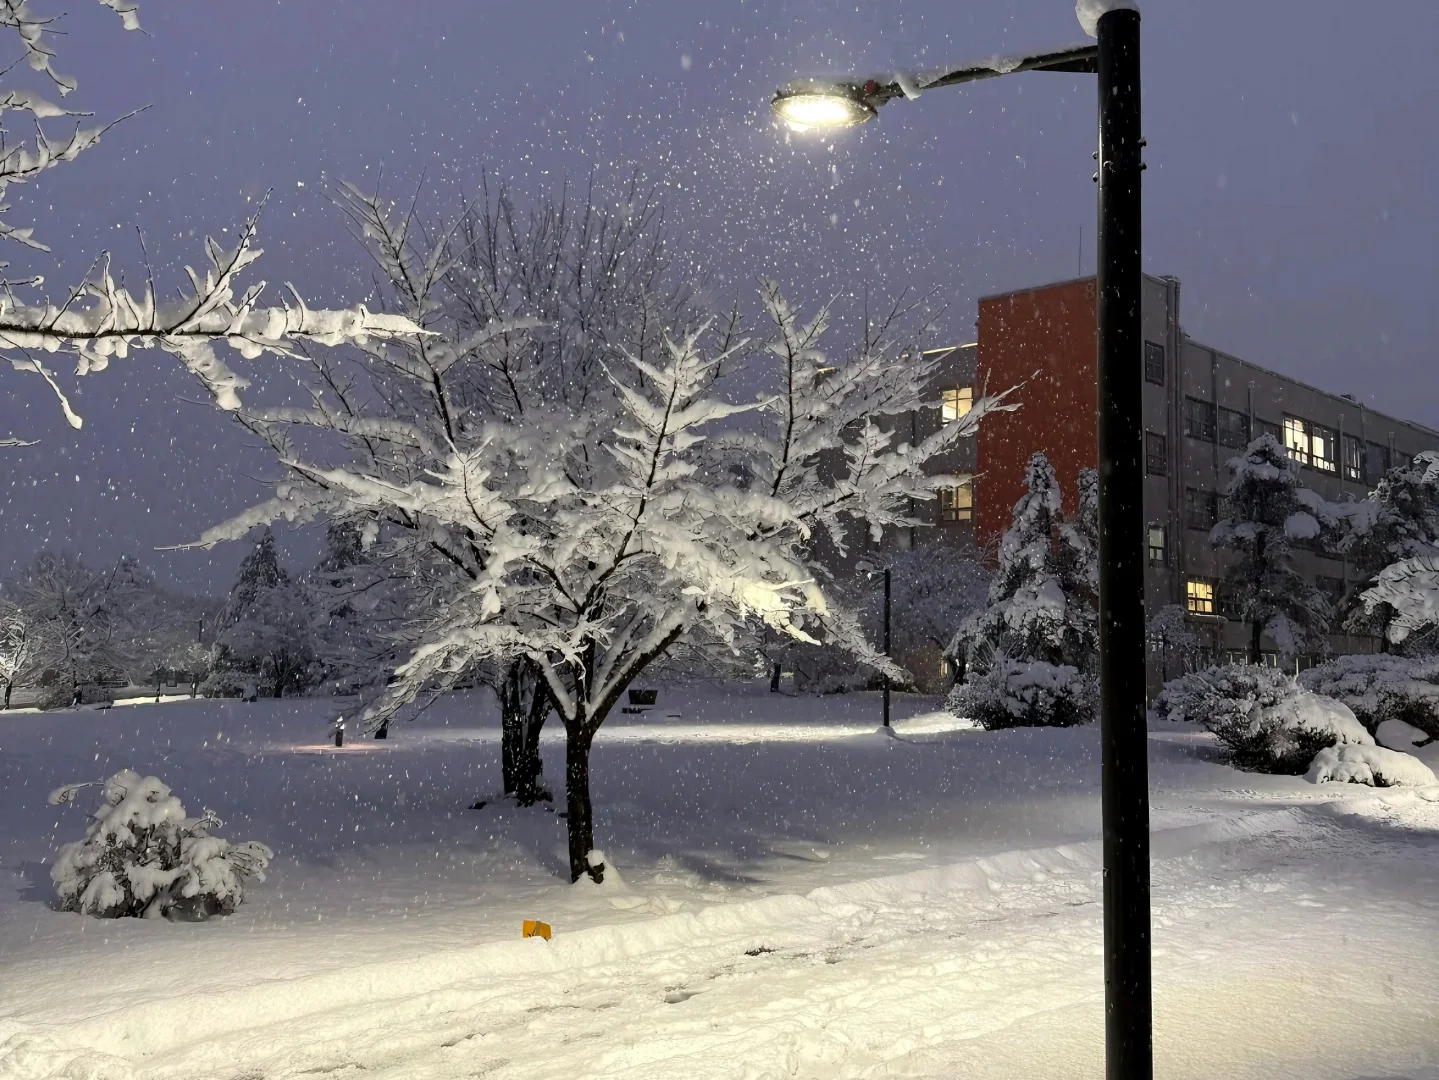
<point x="1201" y="407"/>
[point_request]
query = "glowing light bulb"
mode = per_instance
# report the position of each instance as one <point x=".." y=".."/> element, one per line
<point x="818" y="108"/>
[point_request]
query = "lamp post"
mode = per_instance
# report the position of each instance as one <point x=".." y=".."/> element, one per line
<point x="1125" y="796"/>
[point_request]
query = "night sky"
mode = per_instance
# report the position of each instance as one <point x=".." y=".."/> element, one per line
<point x="1293" y="166"/>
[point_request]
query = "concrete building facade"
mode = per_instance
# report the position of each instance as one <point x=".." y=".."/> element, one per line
<point x="1201" y="407"/>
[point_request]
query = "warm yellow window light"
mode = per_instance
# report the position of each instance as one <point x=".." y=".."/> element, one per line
<point x="955" y="402"/>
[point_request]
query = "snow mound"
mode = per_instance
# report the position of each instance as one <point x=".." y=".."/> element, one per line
<point x="1397" y="735"/>
<point x="1308" y="711"/>
<point x="1372" y="765"/>
<point x="935" y="723"/>
<point x="1089" y="12"/>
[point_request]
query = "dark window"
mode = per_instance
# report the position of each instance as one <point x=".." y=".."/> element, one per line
<point x="1201" y="508"/>
<point x="1198" y="419"/>
<point x="957" y="503"/>
<point x="1228" y="602"/>
<point x="1376" y="463"/>
<point x="1157" y="547"/>
<point x="1156" y="460"/>
<point x="1353" y="458"/>
<point x="1264" y="427"/>
<point x="1154" y="363"/>
<point x="1233" y="428"/>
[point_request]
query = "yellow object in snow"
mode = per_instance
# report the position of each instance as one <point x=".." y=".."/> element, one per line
<point x="535" y="928"/>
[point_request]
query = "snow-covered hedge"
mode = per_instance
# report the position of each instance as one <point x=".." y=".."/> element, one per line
<point x="1016" y="693"/>
<point x="1382" y="687"/>
<point x="141" y="856"/>
<point x="1265" y="719"/>
<point x="1372" y="765"/>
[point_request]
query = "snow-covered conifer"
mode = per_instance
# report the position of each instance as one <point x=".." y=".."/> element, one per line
<point x="359" y="608"/>
<point x="143" y="857"/>
<point x="1398" y="521"/>
<point x="1267" y="511"/>
<point x="265" y="635"/>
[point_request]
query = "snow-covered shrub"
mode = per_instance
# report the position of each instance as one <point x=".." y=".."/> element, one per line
<point x="1033" y="693"/>
<point x="1265" y="719"/>
<point x="142" y="856"/>
<point x="1382" y="687"/>
<point x="1372" y="765"/>
<point x="1397" y="735"/>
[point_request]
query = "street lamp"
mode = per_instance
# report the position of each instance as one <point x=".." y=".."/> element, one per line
<point x="1115" y="59"/>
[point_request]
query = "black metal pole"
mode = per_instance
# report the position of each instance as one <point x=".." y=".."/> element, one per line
<point x="1127" y="998"/>
<point x="886" y="644"/>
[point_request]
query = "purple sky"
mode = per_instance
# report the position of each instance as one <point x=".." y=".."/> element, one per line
<point x="1293" y="155"/>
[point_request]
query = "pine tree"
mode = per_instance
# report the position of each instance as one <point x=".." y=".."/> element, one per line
<point x="1078" y="568"/>
<point x="1398" y="521"/>
<point x="259" y="570"/>
<point x="1267" y="512"/>
<point x="1025" y="616"/>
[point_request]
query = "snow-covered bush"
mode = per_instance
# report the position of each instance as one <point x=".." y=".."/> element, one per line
<point x="141" y="856"/>
<point x="1382" y="687"/>
<point x="1265" y="719"/>
<point x="1372" y="765"/>
<point x="1019" y="693"/>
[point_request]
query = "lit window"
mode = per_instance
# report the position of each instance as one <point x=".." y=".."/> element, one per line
<point x="1322" y="449"/>
<point x="1296" y="439"/>
<point x="955" y="402"/>
<point x="957" y="503"/>
<point x="1156" y="545"/>
<point x="1199" y="596"/>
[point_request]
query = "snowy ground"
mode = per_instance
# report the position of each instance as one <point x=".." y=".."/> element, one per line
<point x="801" y="897"/>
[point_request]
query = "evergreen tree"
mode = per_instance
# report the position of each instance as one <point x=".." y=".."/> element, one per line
<point x="259" y="570"/>
<point x="265" y="633"/>
<point x="1267" y="512"/>
<point x="1078" y="569"/>
<point x="1025" y="616"/>
<point x="358" y="611"/>
<point x="1398" y="521"/>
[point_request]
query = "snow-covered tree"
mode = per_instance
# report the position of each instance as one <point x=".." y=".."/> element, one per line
<point x="1404" y="599"/>
<point x="594" y="532"/>
<point x="143" y="857"/>
<point x="81" y="620"/>
<point x="1172" y="640"/>
<point x="272" y="640"/>
<point x="265" y="634"/>
<point x="1041" y="600"/>
<point x="98" y="319"/>
<point x="1398" y="521"/>
<point x="1267" y="511"/>
<point x="1029" y="656"/>
<point x="358" y="608"/>
<point x="19" y="646"/>
<point x="933" y="588"/>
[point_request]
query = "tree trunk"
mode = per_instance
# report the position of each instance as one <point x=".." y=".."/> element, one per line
<point x="774" y="680"/>
<point x="578" y="739"/>
<point x="524" y="705"/>
<point x="8" y="687"/>
<point x="1256" y="628"/>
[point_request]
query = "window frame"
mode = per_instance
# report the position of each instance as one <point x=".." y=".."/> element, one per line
<point x="1162" y="547"/>
<point x="1222" y="431"/>
<point x="1153" y="439"/>
<point x="1352" y="464"/>
<point x="955" y="402"/>
<point x="1211" y="508"/>
<point x="1267" y="427"/>
<point x="953" y="511"/>
<point x="1381" y="450"/>
<point x="1193" y="598"/>
<point x="1200" y="419"/>
<point x="1154" y="374"/>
